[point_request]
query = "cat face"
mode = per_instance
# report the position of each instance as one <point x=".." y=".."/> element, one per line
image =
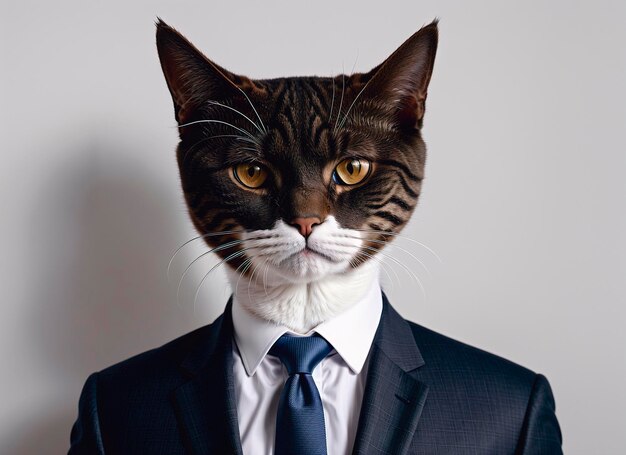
<point x="305" y="176"/>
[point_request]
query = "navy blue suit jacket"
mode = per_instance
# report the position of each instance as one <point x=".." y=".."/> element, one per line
<point x="424" y="394"/>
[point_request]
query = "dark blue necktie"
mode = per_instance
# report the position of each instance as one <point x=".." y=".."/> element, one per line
<point x="300" y="420"/>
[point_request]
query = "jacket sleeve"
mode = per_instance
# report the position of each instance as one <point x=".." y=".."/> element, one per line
<point x="541" y="434"/>
<point x="85" y="437"/>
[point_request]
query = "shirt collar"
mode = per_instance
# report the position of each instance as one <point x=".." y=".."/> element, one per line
<point x="351" y="332"/>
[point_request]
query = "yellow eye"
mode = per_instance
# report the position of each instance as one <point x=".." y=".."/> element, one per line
<point x="250" y="174"/>
<point x="351" y="171"/>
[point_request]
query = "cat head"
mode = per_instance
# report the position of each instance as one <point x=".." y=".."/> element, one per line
<point x="308" y="176"/>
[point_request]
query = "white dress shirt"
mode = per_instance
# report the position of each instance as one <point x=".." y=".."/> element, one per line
<point x="340" y="377"/>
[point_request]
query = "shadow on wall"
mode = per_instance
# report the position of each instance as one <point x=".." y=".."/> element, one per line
<point x="103" y="233"/>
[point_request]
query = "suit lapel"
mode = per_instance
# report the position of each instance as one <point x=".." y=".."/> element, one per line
<point x="205" y="404"/>
<point x="393" y="399"/>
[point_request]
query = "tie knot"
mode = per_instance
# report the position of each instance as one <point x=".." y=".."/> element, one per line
<point x="300" y="354"/>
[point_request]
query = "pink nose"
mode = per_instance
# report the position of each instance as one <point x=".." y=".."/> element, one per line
<point x="305" y="225"/>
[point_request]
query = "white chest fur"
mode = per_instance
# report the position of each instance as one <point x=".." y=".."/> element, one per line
<point x="303" y="305"/>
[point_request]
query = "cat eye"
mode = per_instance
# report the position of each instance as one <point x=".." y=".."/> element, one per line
<point x="251" y="175"/>
<point x="351" y="171"/>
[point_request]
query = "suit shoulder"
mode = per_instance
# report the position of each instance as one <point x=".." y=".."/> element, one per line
<point x="447" y="354"/>
<point x="155" y="362"/>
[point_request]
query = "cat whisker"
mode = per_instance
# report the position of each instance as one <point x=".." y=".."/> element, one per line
<point x="241" y="138"/>
<point x="256" y="280"/>
<point x="248" y="262"/>
<point x="253" y="108"/>
<point x="267" y="266"/>
<point x="271" y="250"/>
<point x="356" y="59"/>
<point x="253" y="245"/>
<point x="261" y="235"/>
<point x="345" y="117"/>
<point x="217" y="248"/>
<point x="343" y="87"/>
<point x="384" y="242"/>
<point x="332" y="102"/>
<point x="409" y="271"/>
<point x="210" y="234"/>
<point x="358" y="94"/>
<point x="382" y="264"/>
<point x="383" y="232"/>
<point x="221" y="122"/>
<point x="236" y="136"/>
<point x="223" y="261"/>
<point x="256" y="267"/>
<point x="238" y="112"/>
<point x="249" y="149"/>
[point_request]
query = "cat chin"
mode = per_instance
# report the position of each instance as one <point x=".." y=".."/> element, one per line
<point x="303" y="305"/>
<point x="306" y="268"/>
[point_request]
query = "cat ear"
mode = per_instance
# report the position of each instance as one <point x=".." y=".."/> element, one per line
<point x="401" y="81"/>
<point x="191" y="77"/>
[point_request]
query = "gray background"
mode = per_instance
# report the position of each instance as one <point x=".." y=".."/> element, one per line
<point x="524" y="197"/>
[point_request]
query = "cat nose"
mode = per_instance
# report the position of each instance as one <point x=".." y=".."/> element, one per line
<point x="305" y="224"/>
